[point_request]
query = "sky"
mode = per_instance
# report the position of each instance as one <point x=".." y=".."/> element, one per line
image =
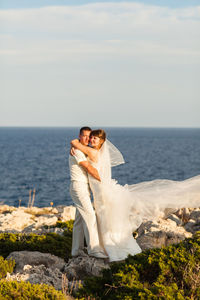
<point x="104" y="63"/>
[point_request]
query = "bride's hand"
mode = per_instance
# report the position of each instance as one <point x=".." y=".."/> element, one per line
<point x="74" y="142"/>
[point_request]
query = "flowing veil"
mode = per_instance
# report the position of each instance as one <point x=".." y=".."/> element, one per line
<point x="109" y="156"/>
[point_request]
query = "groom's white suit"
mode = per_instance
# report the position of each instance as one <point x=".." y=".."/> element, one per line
<point x="85" y="223"/>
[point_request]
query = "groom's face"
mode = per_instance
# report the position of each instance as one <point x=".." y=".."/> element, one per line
<point x="84" y="137"/>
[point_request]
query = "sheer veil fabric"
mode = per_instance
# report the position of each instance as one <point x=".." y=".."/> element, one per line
<point x="121" y="209"/>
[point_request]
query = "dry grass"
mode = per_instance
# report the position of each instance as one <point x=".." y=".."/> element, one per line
<point x="68" y="287"/>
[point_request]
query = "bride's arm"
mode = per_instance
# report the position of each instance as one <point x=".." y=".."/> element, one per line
<point x="90" y="152"/>
<point x="90" y="169"/>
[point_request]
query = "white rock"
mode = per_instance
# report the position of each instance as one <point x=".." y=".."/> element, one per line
<point x="192" y="226"/>
<point x="6" y="208"/>
<point x="195" y="215"/>
<point x="175" y="219"/>
<point x="35" y="258"/>
<point x="68" y="213"/>
<point x="46" y="220"/>
<point x="183" y="213"/>
<point x="16" y="220"/>
<point x="39" y="274"/>
<point x="83" y="266"/>
<point x="162" y="233"/>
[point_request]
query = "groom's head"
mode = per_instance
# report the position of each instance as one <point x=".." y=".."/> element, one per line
<point x="84" y="135"/>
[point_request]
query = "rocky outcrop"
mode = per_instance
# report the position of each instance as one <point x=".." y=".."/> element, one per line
<point x="35" y="258"/>
<point x="152" y="234"/>
<point x="81" y="267"/>
<point x="174" y="228"/>
<point x="37" y="220"/>
<point x="37" y="267"/>
<point x="38" y="274"/>
<point x="15" y="220"/>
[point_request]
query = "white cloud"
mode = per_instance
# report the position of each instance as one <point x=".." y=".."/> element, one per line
<point x="111" y="28"/>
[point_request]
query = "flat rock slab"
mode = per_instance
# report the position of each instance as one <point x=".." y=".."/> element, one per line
<point x="16" y="220"/>
<point x="83" y="266"/>
<point x="35" y="258"/>
<point x="37" y="275"/>
<point x="152" y="234"/>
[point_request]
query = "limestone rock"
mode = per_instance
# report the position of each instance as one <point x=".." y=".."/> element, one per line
<point x="176" y="219"/>
<point x="34" y="219"/>
<point x="192" y="226"/>
<point x="6" y="208"/>
<point x="195" y="214"/>
<point x="35" y="258"/>
<point x="183" y="214"/>
<point x="83" y="266"/>
<point x="16" y="221"/>
<point x="47" y="220"/>
<point x="153" y="234"/>
<point x="68" y="213"/>
<point x="39" y="274"/>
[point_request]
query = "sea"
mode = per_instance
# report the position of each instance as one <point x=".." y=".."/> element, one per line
<point x="37" y="159"/>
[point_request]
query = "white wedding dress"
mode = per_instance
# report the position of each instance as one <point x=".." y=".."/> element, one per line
<point x="121" y="209"/>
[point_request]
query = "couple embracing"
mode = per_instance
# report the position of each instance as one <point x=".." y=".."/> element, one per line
<point x="119" y="210"/>
<point x="90" y="168"/>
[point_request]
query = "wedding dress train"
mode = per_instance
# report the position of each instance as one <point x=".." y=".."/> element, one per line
<point x="121" y="209"/>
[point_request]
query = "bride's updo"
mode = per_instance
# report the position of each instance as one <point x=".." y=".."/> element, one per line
<point x="99" y="133"/>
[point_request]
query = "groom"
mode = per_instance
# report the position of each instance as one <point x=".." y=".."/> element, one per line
<point x="85" y="224"/>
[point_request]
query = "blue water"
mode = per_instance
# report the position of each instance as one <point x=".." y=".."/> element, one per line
<point x="37" y="158"/>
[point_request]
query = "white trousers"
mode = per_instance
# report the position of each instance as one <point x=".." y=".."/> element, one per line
<point x="85" y="223"/>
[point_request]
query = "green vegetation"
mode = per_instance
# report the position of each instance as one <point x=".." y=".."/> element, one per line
<point x="171" y="272"/>
<point x="6" y="266"/>
<point x="24" y="290"/>
<point x="47" y="243"/>
<point x="68" y="225"/>
<point x="65" y="225"/>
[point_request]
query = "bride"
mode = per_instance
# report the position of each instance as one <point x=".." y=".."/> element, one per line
<point x="121" y="209"/>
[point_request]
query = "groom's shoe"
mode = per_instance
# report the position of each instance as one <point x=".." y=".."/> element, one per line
<point x="99" y="254"/>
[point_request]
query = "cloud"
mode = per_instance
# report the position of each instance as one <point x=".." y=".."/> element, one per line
<point x="139" y="62"/>
<point x="132" y="29"/>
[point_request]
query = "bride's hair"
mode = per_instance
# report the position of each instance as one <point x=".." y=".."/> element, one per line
<point x="99" y="133"/>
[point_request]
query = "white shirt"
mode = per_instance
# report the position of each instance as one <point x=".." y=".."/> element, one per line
<point x="77" y="173"/>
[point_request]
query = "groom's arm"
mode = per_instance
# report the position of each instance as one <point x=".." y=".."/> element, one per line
<point x="90" y="169"/>
<point x="84" y="163"/>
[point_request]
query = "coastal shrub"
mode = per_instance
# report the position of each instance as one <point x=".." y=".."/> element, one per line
<point x="6" y="266"/>
<point x="68" y="225"/>
<point x="48" y="243"/>
<point x="24" y="290"/>
<point x="171" y="272"/>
